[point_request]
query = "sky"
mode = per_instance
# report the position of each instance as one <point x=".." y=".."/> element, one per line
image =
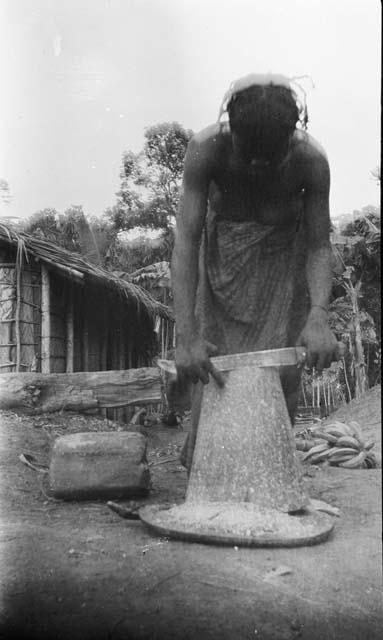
<point x="82" y="79"/>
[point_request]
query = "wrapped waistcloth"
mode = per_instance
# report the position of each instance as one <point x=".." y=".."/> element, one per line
<point x="252" y="293"/>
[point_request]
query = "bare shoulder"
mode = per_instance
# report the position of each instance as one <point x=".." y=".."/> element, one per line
<point x="205" y="147"/>
<point x="313" y="161"/>
<point x="203" y="153"/>
<point x="308" y="146"/>
<point x="212" y="136"/>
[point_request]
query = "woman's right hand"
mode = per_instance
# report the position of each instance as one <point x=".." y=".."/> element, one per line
<point x="193" y="362"/>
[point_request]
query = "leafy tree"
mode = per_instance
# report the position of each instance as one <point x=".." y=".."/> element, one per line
<point x="149" y="195"/>
<point x="361" y="253"/>
<point x="376" y="174"/>
<point x="104" y="235"/>
<point x="151" y="179"/>
<point x="5" y="200"/>
<point x="43" y="224"/>
<point x="366" y="223"/>
<point x="128" y="255"/>
<point x="355" y="310"/>
<point x="77" y="234"/>
<point x="5" y="193"/>
<point x="71" y="230"/>
<point x="148" y="200"/>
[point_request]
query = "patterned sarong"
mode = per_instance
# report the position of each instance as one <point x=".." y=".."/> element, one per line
<point x="252" y="293"/>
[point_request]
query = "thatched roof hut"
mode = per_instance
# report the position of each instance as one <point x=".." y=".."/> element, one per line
<point x="60" y="313"/>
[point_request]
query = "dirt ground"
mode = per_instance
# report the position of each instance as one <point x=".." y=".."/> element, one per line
<point x="78" y="570"/>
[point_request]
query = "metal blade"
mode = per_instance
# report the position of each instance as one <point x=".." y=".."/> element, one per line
<point x="268" y="358"/>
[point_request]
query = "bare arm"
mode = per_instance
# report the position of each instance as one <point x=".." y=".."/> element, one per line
<point x="190" y="220"/>
<point x="192" y="353"/>
<point x="316" y="336"/>
<point x="317" y="229"/>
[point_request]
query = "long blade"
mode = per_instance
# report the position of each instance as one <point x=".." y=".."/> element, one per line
<point x="268" y="358"/>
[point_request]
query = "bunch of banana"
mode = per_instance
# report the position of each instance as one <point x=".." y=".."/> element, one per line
<point x="341" y="445"/>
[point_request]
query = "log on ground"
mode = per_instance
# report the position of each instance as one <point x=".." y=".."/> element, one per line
<point x="80" y="391"/>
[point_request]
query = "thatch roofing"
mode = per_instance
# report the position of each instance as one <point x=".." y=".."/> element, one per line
<point x="76" y="268"/>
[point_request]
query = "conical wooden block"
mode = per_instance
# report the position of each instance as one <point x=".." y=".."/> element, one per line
<point x="245" y="485"/>
<point x="245" y="447"/>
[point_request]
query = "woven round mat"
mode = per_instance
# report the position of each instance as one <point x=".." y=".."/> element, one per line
<point x="237" y="524"/>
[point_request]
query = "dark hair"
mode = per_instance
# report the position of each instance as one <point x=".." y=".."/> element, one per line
<point x="264" y="103"/>
<point x="265" y="114"/>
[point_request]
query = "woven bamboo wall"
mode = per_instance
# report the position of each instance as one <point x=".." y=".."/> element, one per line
<point x="7" y="318"/>
<point x="20" y="314"/>
<point x="30" y="317"/>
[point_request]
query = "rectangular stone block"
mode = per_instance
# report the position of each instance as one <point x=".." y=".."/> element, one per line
<point x="99" y="465"/>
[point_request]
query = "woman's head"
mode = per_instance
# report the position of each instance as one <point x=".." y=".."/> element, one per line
<point x="263" y="112"/>
<point x="262" y="119"/>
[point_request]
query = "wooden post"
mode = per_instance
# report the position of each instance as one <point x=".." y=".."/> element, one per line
<point x="104" y="348"/>
<point x="121" y="349"/>
<point x="303" y="392"/>
<point x="361" y="382"/>
<point x="162" y="329"/>
<point x="27" y="317"/>
<point x="36" y="316"/>
<point x="121" y="413"/>
<point x="130" y="354"/>
<point x="70" y="333"/>
<point x="85" y="344"/>
<point x="45" y="321"/>
<point x="346" y="380"/>
<point x="17" y="316"/>
<point x="104" y="339"/>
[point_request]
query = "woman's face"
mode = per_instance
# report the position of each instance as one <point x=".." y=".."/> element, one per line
<point x="260" y="150"/>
